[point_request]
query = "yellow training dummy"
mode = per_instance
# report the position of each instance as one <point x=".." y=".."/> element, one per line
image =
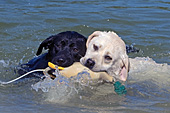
<point x="76" y="68"/>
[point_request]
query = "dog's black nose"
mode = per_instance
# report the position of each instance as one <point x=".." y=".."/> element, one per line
<point x="90" y="63"/>
<point x="60" y="61"/>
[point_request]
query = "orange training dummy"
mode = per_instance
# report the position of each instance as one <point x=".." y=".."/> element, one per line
<point x="76" y="68"/>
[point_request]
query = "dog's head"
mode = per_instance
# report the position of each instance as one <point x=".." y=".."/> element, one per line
<point x="64" y="48"/>
<point x="106" y="51"/>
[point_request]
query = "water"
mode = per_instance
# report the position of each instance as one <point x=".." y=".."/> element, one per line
<point x="25" y="24"/>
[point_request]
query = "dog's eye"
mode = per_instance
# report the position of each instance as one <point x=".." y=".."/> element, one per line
<point x="63" y="43"/>
<point x="72" y="45"/>
<point x="107" y="57"/>
<point x="95" y="47"/>
<point x="75" y="50"/>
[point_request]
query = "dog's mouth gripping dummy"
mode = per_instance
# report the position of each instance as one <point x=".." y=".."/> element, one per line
<point x="77" y="68"/>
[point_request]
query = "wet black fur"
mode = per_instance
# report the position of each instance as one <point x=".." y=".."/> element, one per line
<point x="64" y="49"/>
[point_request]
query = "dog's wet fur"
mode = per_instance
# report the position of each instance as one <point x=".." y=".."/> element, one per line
<point x="64" y="49"/>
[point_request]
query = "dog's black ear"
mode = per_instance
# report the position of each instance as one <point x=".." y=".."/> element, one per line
<point x="45" y="44"/>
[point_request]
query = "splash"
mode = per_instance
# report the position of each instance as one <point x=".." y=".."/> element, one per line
<point x="4" y="64"/>
<point x="146" y="79"/>
<point x="61" y="89"/>
<point x="7" y="68"/>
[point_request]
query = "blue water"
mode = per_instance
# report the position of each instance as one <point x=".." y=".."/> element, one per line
<point x="24" y="24"/>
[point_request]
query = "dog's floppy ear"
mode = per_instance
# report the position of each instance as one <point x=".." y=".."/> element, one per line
<point x="45" y="44"/>
<point x="94" y="34"/>
<point x="125" y="68"/>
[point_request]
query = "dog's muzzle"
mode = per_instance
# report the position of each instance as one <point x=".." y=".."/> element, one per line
<point x="89" y="63"/>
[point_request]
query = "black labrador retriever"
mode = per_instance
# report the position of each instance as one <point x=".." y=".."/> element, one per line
<point x="64" y="49"/>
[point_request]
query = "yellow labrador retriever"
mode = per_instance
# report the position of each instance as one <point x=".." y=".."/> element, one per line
<point x="106" y="51"/>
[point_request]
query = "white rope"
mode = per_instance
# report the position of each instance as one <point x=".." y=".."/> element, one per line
<point x="11" y="81"/>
